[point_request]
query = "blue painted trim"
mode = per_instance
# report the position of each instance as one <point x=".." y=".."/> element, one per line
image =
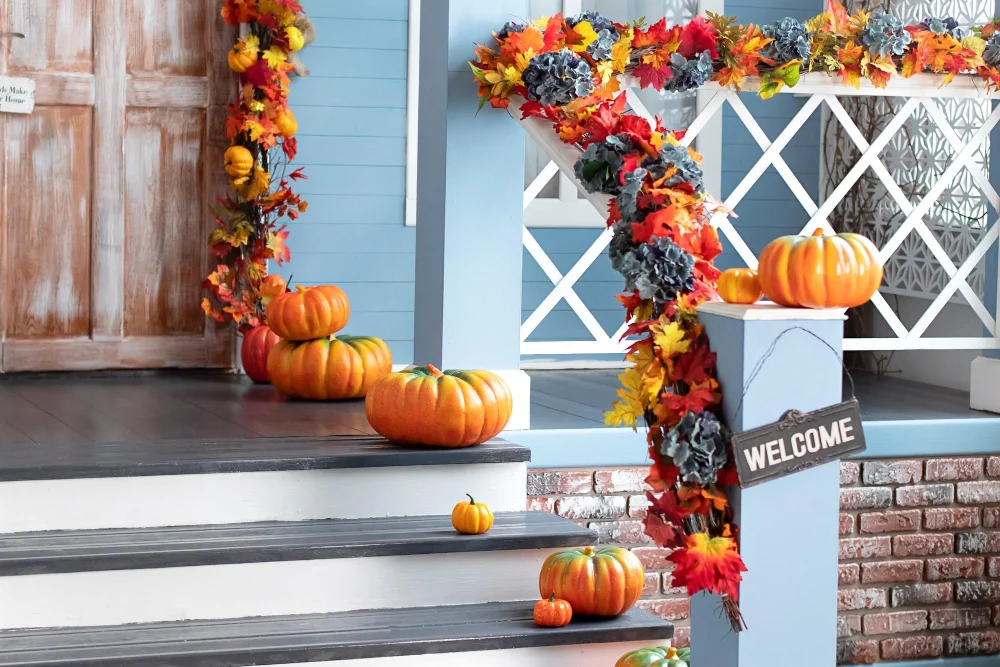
<point x="931" y="437"/>
<point x="582" y="447"/>
<point x="978" y="661"/>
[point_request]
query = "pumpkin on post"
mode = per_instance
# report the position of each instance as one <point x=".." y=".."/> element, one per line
<point x="424" y="406"/>
<point x="596" y="582"/>
<point x="740" y="286"/>
<point x="309" y="313"/>
<point x="328" y="369"/>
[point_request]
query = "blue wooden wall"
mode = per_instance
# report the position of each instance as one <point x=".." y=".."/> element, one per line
<point x="352" y="118"/>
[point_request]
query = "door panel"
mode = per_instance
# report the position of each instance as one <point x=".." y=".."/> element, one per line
<point x="58" y="35"/>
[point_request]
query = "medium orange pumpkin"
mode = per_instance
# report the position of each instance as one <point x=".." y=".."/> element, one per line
<point x="329" y="369"/>
<point x="286" y="123"/>
<point x="239" y="162"/>
<point x="817" y="271"/>
<point x="740" y="286"/>
<point x="423" y="406"/>
<point x="553" y="613"/>
<point x="242" y="58"/>
<point x="309" y="313"/>
<point x="596" y="582"/>
<point x="257" y="344"/>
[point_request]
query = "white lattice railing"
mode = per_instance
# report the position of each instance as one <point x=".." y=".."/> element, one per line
<point x="819" y="90"/>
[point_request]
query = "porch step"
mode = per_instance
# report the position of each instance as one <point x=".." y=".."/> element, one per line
<point x="195" y="482"/>
<point x="498" y="634"/>
<point x="112" y="577"/>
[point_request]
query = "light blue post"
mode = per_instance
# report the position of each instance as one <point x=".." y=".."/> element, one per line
<point x="788" y="527"/>
<point x="991" y="277"/>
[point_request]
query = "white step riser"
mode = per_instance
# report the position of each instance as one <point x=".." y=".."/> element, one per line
<point x="183" y="500"/>
<point x="581" y="655"/>
<point x="267" y="589"/>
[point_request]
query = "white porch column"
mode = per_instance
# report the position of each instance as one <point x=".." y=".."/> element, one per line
<point x="985" y="381"/>
<point x="469" y="204"/>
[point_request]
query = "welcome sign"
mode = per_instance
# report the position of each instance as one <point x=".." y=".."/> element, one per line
<point x="798" y="442"/>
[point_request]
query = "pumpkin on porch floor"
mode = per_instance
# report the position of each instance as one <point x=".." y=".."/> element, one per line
<point x="662" y="656"/>
<point x="818" y="271"/>
<point x="329" y="369"/>
<point x="309" y="313"/>
<point x="424" y="406"/>
<point x="257" y="344"/>
<point x="597" y="582"/>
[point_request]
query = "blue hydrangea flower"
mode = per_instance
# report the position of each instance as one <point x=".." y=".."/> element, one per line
<point x="557" y="78"/>
<point x="689" y="74"/>
<point x="628" y="198"/>
<point x="607" y="33"/>
<point x="509" y="27"/>
<point x="991" y="55"/>
<point x="697" y="446"/>
<point x="945" y="26"/>
<point x="658" y="270"/>
<point x="599" y="167"/>
<point x="884" y="35"/>
<point x="688" y="171"/>
<point x="791" y="42"/>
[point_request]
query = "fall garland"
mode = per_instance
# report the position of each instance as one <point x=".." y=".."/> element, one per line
<point x="261" y="130"/>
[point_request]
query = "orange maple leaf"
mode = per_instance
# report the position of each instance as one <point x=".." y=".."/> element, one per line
<point x="709" y="564"/>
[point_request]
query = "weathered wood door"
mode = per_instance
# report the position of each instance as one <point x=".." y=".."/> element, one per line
<point x="107" y="187"/>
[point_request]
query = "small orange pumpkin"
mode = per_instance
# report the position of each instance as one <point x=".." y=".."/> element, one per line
<point x="423" y="406"/>
<point x="471" y="518"/>
<point x="740" y="286"/>
<point x="817" y="271"/>
<point x="596" y="582"/>
<point x="257" y="344"/>
<point x="553" y="613"/>
<point x="309" y="313"/>
<point x="328" y="369"/>
<point x="287" y="124"/>
<point x="239" y="162"/>
<point x="242" y="58"/>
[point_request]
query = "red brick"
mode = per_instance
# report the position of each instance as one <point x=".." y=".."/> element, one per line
<point x="846" y="524"/>
<point x="974" y="643"/>
<point x="925" y="494"/>
<point x="954" y="568"/>
<point x="994" y="568"/>
<point x="865" y="498"/>
<point x="865" y="547"/>
<point x="855" y="652"/>
<point x="959" y="619"/>
<point x="851" y="599"/>
<point x="670" y="610"/>
<point x="682" y="636"/>
<point x="652" y="584"/>
<point x="542" y="505"/>
<point x="922" y="545"/>
<point x="951" y="518"/>
<point x="849" y="574"/>
<point x="895" y="622"/>
<point x="977" y="592"/>
<point x="591" y="507"/>
<point x="848" y="625"/>
<point x="669" y="588"/>
<point x="978" y="493"/>
<point x="850" y="473"/>
<point x="912" y="648"/>
<point x="891" y="472"/>
<point x="953" y="470"/>
<point x="620" y="532"/>
<point x="993" y="466"/>
<point x="921" y="594"/>
<point x="891" y="571"/>
<point x="996" y="615"/>
<point x="890" y="522"/>
<point x="626" y="480"/>
<point x="637" y="506"/>
<point x="559" y="482"/>
<point x="991" y="517"/>
<point x="653" y="558"/>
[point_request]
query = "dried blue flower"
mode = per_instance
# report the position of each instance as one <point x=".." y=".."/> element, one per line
<point x="599" y="167"/>
<point x="689" y="74"/>
<point x="697" y="446"/>
<point x="678" y="157"/>
<point x="791" y="41"/>
<point x="991" y="55"/>
<point x="557" y="78"/>
<point x="607" y="33"/>
<point x="509" y="27"/>
<point x="628" y="198"/>
<point x="945" y="26"/>
<point x="658" y="270"/>
<point x="884" y="35"/>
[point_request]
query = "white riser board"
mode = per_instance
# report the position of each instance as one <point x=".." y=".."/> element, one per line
<point x="267" y="589"/>
<point x="187" y="500"/>
<point x="580" y="655"/>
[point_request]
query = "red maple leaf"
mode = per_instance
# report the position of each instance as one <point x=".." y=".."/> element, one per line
<point x="697" y="36"/>
<point x="298" y="175"/>
<point x="697" y="399"/>
<point x="259" y="74"/>
<point x="552" y="31"/>
<point x="604" y="122"/>
<point x="631" y="302"/>
<point x="290" y="147"/>
<point x="653" y="77"/>
<point x="694" y="366"/>
<point x="655" y="35"/>
<point x="664" y="534"/>
<point x="709" y="564"/>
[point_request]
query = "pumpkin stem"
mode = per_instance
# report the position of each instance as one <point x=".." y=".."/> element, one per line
<point x="552" y="597"/>
<point x="301" y="289"/>
<point x="434" y="371"/>
<point x="671" y="653"/>
<point x="472" y="501"/>
<point x="589" y="551"/>
<point x="818" y="232"/>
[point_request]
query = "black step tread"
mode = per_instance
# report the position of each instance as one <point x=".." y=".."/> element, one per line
<point x="145" y="548"/>
<point x="316" y="638"/>
<point x="227" y="455"/>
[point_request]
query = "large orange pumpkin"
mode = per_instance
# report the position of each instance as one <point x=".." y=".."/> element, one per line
<point x="819" y="271"/>
<point x="329" y="369"/>
<point x="423" y="406"/>
<point x="596" y="582"/>
<point x="257" y="344"/>
<point x="309" y="313"/>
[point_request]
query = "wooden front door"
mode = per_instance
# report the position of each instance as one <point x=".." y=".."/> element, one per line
<point x="107" y="187"/>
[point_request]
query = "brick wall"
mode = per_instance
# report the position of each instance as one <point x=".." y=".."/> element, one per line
<point x="919" y="551"/>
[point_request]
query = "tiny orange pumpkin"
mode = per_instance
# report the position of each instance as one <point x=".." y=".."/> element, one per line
<point x="286" y="123"/>
<point x="472" y="518"/>
<point x="309" y="313"/>
<point x="239" y="162"/>
<point x="553" y="613"/>
<point x="242" y="58"/>
<point x="741" y="286"/>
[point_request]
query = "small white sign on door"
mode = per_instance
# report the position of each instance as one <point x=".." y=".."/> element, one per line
<point x="17" y="95"/>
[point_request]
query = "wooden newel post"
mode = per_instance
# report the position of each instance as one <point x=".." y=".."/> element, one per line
<point x="788" y="526"/>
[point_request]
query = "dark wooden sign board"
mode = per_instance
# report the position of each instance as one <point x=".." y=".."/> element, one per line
<point x="798" y="442"/>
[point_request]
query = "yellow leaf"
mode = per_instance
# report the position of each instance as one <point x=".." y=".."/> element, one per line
<point x="274" y="57"/>
<point x="652" y="381"/>
<point x="669" y="338"/>
<point x="975" y="44"/>
<point x="587" y="36"/>
<point x="642" y="356"/>
<point x="621" y="52"/>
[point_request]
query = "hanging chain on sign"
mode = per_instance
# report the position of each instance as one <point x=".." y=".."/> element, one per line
<point x="17" y="94"/>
